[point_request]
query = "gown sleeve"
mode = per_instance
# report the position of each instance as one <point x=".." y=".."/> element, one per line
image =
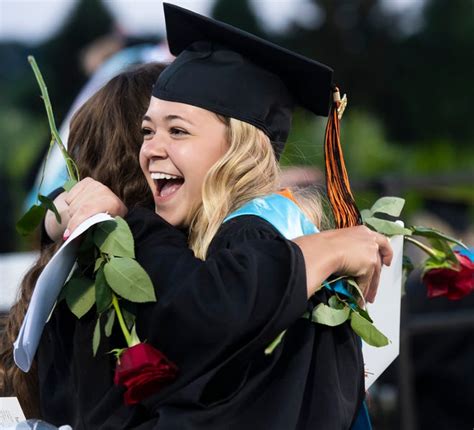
<point x="250" y="288"/>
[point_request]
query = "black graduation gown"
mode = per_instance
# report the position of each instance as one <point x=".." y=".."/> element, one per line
<point x="214" y="320"/>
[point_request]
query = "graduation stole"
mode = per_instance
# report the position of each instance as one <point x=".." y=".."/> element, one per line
<point x="282" y="212"/>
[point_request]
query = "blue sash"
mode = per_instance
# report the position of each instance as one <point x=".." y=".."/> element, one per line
<point x="291" y="222"/>
<point x="285" y="215"/>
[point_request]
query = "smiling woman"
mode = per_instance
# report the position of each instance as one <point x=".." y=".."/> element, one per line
<point x="181" y="141"/>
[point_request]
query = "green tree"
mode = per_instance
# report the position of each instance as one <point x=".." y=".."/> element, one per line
<point x="237" y="13"/>
<point x="431" y="80"/>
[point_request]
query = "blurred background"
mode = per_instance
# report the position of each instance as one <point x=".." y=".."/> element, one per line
<point x="407" y="67"/>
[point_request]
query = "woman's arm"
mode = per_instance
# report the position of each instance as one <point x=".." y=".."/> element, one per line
<point x="355" y="251"/>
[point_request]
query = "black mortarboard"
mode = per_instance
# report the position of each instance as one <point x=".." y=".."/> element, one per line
<point x="234" y="73"/>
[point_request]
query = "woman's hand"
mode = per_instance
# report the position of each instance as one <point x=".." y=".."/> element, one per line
<point x="355" y="251"/>
<point x="89" y="197"/>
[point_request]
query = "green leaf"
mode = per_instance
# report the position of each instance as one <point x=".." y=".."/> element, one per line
<point x="49" y="204"/>
<point x="128" y="279"/>
<point x="71" y="167"/>
<point x="389" y="228"/>
<point x="103" y="293"/>
<point x="361" y="311"/>
<point x="389" y="206"/>
<point x="80" y="295"/>
<point x="443" y="246"/>
<point x="270" y="348"/>
<point x="367" y="331"/>
<point x="110" y="322"/>
<point x="102" y="231"/>
<point x="434" y="263"/>
<point x="115" y="238"/>
<point x="364" y="314"/>
<point x="98" y="263"/>
<point x="365" y="213"/>
<point x="128" y="317"/>
<point x="323" y="314"/>
<point x="30" y="220"/>
<point x="69" y="184"/>
<point x="335" y="303"/>
<point x="96" y="337"/>
<point x="435" y="234"/>
<point x="356" y="288"/>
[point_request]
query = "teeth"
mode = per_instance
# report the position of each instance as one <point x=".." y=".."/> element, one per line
<point x="159" y="175"/>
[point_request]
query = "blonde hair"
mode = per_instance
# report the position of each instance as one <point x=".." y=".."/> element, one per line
<point x="311" y="202"/>
<point x="248" y="170"/>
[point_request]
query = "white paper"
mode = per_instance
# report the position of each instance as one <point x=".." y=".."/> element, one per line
<point x="385" y="312"/>
<point x="10" y="412"/>
<point x="46" y="291"/>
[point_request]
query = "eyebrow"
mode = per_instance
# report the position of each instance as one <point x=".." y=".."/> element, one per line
<point x="169" y="118"/>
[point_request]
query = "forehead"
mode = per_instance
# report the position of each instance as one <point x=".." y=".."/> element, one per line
<point x="163" y="110"/>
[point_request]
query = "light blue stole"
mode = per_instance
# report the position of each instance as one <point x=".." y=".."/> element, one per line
<point x="291" y="222"/>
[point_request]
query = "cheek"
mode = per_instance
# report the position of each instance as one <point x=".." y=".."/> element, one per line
<point x="212" y="153"/>
<point x="203" y="163"/>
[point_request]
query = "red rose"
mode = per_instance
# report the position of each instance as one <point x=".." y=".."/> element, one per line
<point x="452" y="283"/>
<point x="143" y="370"/>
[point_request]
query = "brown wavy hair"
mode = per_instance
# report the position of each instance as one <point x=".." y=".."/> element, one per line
<point x="105" y="135"/>
<point x="104" y="141"/>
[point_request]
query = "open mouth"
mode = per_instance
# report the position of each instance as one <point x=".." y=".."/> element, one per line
<point x="166" y="184"/>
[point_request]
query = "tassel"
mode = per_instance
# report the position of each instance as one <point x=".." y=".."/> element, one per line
<point x="338" y="188"/>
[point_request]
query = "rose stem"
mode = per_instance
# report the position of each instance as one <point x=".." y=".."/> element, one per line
<point x="123" y="326"/>
<point x="70" y="165"/>
<point x="420" y="245"/>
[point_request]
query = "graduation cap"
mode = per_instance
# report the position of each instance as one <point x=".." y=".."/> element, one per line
<point x="228" y="71"/>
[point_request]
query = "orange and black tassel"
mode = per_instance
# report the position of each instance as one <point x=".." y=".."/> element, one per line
<point x="338" y="188"/>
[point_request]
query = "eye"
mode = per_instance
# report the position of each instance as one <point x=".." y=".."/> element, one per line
<point x="174" y="131"/>
<point x="146" y="131"/>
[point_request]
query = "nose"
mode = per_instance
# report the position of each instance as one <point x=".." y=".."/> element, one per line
<point x="154" y="147"/>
